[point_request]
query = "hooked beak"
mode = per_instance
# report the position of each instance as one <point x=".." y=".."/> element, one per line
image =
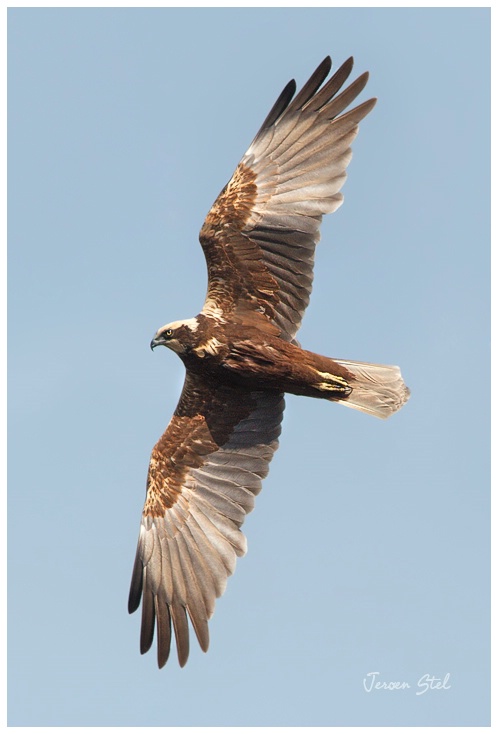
<point x="156" y="342"/>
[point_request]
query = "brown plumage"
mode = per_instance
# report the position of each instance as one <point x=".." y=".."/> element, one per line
<point x="241" y="357"/>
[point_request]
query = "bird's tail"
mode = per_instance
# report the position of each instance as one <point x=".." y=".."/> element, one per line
<point x="376" y="388"/>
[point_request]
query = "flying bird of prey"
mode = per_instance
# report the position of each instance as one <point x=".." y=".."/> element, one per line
<point x="241" y="356"/>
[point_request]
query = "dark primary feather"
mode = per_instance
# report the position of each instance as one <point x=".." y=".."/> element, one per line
<point x="268" y="216"/>
<point x="313" y="83"/>
<point x="332" y="86"/>
<point x="280" y="105"/>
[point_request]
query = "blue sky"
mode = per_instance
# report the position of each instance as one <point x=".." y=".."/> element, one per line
<point x="369" y="544"/>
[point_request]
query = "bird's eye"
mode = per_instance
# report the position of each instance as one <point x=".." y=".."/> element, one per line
<point x="168" y="332"/>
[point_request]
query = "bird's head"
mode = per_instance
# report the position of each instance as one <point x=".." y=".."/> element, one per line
<point x="178" y="336"/>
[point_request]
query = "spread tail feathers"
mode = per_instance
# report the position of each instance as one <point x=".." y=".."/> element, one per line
<point x="376" y="388"/>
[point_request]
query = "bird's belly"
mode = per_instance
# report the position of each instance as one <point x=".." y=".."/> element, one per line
<point x="285" y="368"/>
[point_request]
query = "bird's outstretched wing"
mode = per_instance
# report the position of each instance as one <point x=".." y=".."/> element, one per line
<point x="260" y="235"/>
<point x="204" y="474"/>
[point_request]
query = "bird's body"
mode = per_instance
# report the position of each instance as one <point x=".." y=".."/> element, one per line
<point x="254" y="357"/>
<point x="241" y="356"/>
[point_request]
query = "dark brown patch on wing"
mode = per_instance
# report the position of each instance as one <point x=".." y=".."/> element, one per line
<point x="233" y="206"/>
<point x="235" y="268"/>
<point x="178" y="449"/>
<point x="202" y="422"/>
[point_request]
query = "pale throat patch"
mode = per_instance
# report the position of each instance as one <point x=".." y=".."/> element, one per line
<point x="211" y="346"/>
